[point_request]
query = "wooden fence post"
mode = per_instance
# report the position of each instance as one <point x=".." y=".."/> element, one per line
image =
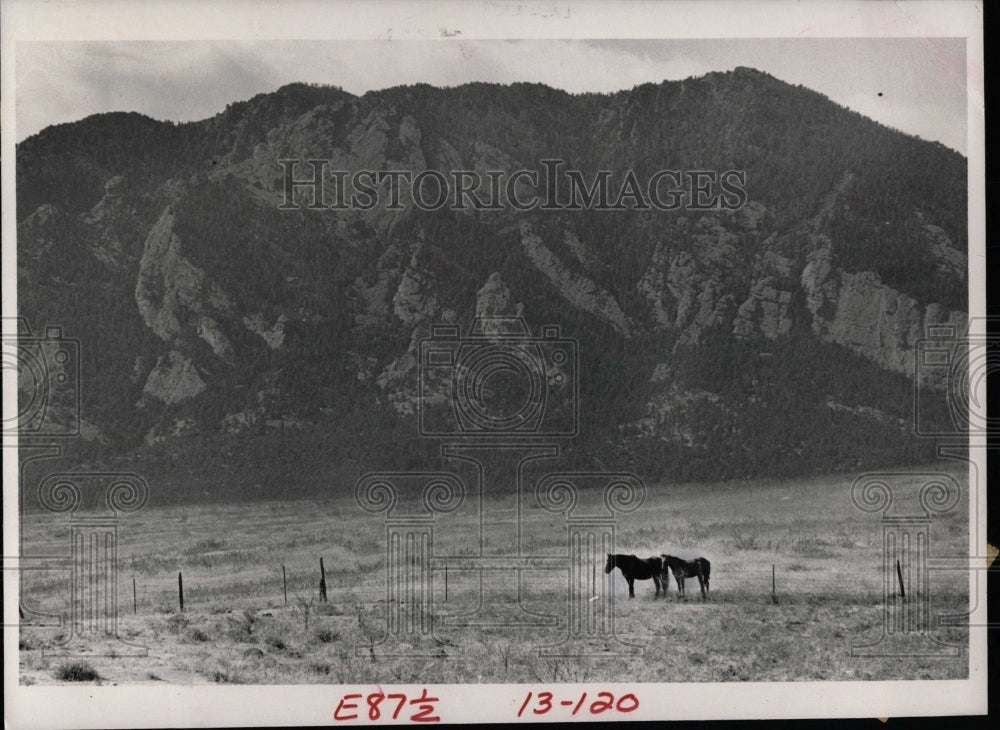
<point x="135" y="608"/>
<point x="180" y="589"/>
<point x="322" y="581"/>
<point x="899" y="575"/>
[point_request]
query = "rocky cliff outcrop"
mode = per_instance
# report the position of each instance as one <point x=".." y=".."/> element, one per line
<point x="110" y="222"/>
<point x="415" y="304"/>
<point x="354" y="137"/>
<point x="273" y="335"/>
<point x="577" y="289"/>
<point x="858" y="311"/>
<point x="173" y="379"/>
<point x="495" y="299"/>
<point x="689" y="281"/>
<point x="398" y="381"/>
<point x="415" y="301"/>
<point x="45" y="228"/>
<point x="170" y="290"/>
<point x="951" y="263"/>
<point x="766" y="311"/>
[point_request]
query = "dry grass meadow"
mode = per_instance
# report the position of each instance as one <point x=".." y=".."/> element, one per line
<point x="236" y="626"/>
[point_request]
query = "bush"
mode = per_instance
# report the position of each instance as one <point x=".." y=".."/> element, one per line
<point x="78" y="671"/>
<point x="177" y="623"/>
<point x="325" y="636"/>
<point x="241" y="627"/>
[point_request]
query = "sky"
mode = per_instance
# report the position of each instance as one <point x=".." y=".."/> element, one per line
<point x="916" y="85"/>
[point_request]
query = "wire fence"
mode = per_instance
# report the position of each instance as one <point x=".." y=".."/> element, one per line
<point x="459" y="588"/>
<point x="210" y="585"/>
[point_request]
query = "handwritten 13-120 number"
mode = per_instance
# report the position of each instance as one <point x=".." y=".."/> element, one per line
<point x="605" y="701"/>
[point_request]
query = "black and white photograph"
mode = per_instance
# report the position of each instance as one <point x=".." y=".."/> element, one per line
<point x="439" y="362"/>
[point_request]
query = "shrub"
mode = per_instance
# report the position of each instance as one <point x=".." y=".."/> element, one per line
<point x="177" y="623"/>
<point x="77" y="671"/>
<point x="241" y="627"/>
<point x="325" y="636"/>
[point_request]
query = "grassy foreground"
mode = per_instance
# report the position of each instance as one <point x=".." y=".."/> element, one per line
<point x="237" y="627"/>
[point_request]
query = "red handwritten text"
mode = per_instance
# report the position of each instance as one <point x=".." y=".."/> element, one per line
<point x="599" y="703"/>
<point x="388" y="706"/>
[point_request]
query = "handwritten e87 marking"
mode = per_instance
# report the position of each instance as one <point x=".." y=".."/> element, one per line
<point x="424" y="703"/>
<point x="605" y="701"/>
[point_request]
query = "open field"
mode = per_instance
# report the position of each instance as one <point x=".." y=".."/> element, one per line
<point x="237" y="627"/>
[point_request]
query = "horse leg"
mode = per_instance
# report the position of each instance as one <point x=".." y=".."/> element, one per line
<point x="656" y="582"/>
<point x="701" y="583"/>
<point x="631" y="590"/>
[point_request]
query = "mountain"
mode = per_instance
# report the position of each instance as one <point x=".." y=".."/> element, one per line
<point x="233" y="347"/>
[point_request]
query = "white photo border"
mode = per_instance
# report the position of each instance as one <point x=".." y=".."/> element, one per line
<point x="113" y="707"/>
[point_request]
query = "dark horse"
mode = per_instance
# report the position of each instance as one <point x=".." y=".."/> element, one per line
<point x="682" y="569"/>
<point x="634" y="569"/>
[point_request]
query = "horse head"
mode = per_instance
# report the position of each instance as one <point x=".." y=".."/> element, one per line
<point x="610" y="565"/>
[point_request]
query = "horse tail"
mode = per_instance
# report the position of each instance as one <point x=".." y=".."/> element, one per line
<point x="706" y="568"/>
